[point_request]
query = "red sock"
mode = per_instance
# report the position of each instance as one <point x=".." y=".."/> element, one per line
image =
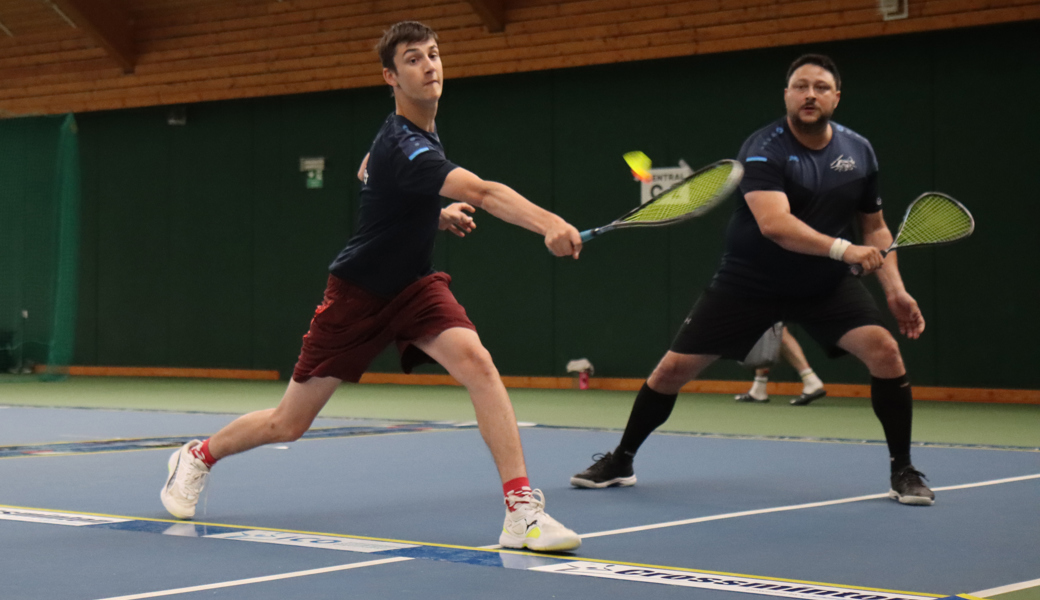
<point x="517" y="487"/>
<point x="201" y="452"/>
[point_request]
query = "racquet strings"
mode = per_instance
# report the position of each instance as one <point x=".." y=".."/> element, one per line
<point x="934" y="219"/>
<point x="700" y="192"/>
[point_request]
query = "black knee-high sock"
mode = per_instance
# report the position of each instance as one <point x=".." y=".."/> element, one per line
<point x="893" y="404"/>
<point x="649" y="412"/>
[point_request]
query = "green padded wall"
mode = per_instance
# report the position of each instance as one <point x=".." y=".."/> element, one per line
<point x="40" y="193"/>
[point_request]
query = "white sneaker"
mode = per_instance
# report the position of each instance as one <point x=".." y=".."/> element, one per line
<point x="527" y="525"/>
<point x="185" y="482"/>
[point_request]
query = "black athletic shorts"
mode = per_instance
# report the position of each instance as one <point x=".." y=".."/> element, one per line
<point x="728" y="324"/>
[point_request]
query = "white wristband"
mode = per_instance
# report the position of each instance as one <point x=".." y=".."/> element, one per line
<point x="839" y="247"/>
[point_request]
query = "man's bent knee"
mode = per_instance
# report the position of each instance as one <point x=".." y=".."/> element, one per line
<point x="884" y="359"/>
<point x="671" y="374"/>
<point x="475" y="365"/>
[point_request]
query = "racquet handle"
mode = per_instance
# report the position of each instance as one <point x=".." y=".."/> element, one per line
<point x="588" y="234"/>
<point x="857" y="270"/>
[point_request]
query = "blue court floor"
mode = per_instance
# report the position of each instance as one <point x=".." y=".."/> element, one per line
<point x="377" y="509"/>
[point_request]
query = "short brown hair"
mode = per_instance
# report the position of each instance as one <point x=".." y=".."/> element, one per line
<point x="404" y="32"/>
<point x="820" y="60"/>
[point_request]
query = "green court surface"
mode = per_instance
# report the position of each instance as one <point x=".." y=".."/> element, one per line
<point x="844" y="418"/>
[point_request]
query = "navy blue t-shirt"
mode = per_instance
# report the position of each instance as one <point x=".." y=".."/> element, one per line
<point x="399" y="210"/>
<point x="826" y="189"/>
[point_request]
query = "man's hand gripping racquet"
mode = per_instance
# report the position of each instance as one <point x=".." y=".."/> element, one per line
<point x="933" y="218"/>
<point x="695" y="196"/>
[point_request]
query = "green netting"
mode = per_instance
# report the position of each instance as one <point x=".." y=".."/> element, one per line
<point x="700" y="192"/>
<point x="934" y="219"/>
<point x="39" y="245"/>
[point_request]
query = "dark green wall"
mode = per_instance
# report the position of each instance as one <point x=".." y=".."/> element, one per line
<point x="203" y="248"/>
<point x="37" y="177"/>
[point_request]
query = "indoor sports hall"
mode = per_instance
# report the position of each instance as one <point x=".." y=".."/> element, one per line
<point x="176" y="177"/>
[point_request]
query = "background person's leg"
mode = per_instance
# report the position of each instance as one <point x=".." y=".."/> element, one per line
<point x="812" y="386"/>
<point x="758" y="391"/>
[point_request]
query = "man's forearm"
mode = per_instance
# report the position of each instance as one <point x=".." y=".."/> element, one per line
<point x="888" y="275"/>
<point x="792" y="234"/>
<point x="504" y="203"/>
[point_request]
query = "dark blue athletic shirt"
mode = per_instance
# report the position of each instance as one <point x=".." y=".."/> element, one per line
<point x="826" y="188"/>
<point x="399" y="210"/>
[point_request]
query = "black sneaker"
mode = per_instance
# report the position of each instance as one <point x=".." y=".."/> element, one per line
<point x="908" y="487"/>
<point x="749" y="398"/>
<point x="805" y="399"/>
<point x="608" y="470"/>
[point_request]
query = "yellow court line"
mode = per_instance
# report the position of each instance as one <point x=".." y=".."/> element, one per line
<point x="566" y="557"/>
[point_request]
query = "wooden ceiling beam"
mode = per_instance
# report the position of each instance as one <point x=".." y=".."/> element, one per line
<point x="105" y="22"/>
<point x="491" y="12"/>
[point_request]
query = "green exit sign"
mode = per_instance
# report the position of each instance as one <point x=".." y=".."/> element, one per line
<point x="314" y="166"/>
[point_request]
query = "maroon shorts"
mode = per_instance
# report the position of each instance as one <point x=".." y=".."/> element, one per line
<point x="352" y="326"/>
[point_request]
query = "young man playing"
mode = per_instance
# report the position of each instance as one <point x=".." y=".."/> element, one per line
<point x="806" y="180"/>
<point x="791" y="350"/>
<point x="382" y="289"/>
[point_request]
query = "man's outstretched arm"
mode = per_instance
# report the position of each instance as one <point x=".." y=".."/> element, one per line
<point x="503" y="202"/>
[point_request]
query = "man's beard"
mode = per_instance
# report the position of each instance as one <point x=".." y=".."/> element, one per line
<point x="817" y="127"/>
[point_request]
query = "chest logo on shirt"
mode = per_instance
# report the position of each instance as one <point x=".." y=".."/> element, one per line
<point x="842" y="164"/>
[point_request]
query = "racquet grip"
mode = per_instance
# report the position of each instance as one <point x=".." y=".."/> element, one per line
<point x="587" y="235"/>
<point x="857" y="270"/>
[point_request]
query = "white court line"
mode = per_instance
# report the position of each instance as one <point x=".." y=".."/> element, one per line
<point x="224" y="584"/>
<point x="763" y="511"/>
<point x="984" y="483"/>
<point x="745" y="513"/>
<point x="1014" y="587"/>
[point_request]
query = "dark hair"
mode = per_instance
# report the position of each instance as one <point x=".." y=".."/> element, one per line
<point x="404" y="32"/>
<point x="824" y="62"/>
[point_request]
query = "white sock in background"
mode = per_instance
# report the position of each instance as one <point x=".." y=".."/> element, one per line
<point x="758" y="388"/>
<point x="810" y="382"/>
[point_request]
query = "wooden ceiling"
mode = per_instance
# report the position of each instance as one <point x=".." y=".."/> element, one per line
<point x="61" y="56"/>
